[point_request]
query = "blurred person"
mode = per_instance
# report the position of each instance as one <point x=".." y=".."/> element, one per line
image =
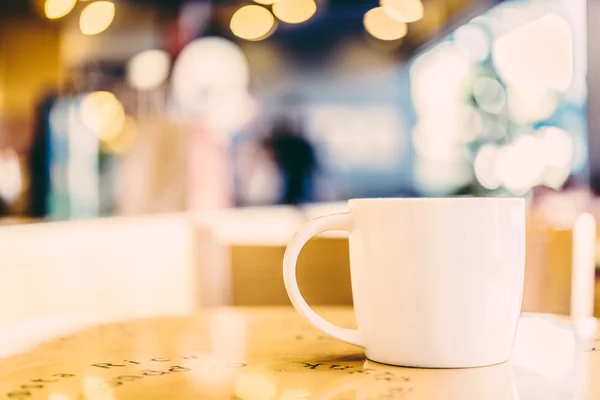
<point x="39" y="159"/>
<point x="295" y="159"/>
<point x="4" y="209"/>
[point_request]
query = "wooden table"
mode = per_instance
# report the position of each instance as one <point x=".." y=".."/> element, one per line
<point x="271" y="353"/>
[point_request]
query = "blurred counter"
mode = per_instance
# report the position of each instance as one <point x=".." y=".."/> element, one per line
<point x="227" y="257"/>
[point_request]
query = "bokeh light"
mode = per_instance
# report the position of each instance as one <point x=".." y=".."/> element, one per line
<point x="380" y="25"/>
<point x="489" y="94"/>
<point x="530" y="105"/>
<point x="537" y="56"/>
<point x="96" y="17"/>
<point x="148" y="70"/>
<point x="11" y="182"/>
<point x="210" y="80"/>
<point x="473" y="41"/>
<point x="294" y="11"/>
<point x="266" y="2"/>
<point x="558" y="149"/>
<point x="252" y="23"/>
<point x="485" y="167"/>
<point x="403" y="10"/>
<point x="206" y="68"/>
<point x="104" y="114"/>
<point x="55" y="9"/>
<point x="520" y="165"/>
<point x="122" y="142"/>
<point x="438" y="78"/>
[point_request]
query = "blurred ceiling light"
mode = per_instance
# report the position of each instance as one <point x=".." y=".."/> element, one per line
<point x="527" y="106"/>
<point x="473" y="41"/>
<point x="294" y="11"/>
<point x="520" y="165"/>
<point x="148" y="70"/>
<point x="252" y="23"/>
<point x="489" y="94"/>
<point x="431" y="23"/>
<point x="403" y="10"/>
<point x="266" y="2"/>
<point x="380" y="25"/>
<point x="537" y="55"/>
<point x="104" y="114"/>
<point x="484" y="166"/>
<point x="96" y="17"/>
<point x="11" y="182"/>
<point x="55" y="9"/>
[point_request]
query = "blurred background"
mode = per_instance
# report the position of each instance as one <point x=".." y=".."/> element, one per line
<point x="209" y="131"/>
<point x="149" y="106"/>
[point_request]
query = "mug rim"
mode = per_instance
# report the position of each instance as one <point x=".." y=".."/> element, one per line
<point x="519" y="200"/>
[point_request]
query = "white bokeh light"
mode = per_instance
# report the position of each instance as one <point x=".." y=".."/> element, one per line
<point x="485" y="167"/>
<point x="148" y="70"/>
<point x="527" y="106"/>
<point x="473" y="41"/>
<point x="206" y="68"/>
<point x="558" y="150"/>
<point x="11" y="182"/>
<point x="439" y="77"/>
<point x="210" y="81"/>
<point x="489" y="94"/>
<point x="520" y="165"/>
<point x="537" y="55"/>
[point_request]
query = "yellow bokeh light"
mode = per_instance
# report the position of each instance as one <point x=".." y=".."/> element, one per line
<point x="96" y="17"/>
<point x="294" y="11"/>
<point x="381" y="26"/>
<point x="55" y="9"/>
<point x="266" y="2"/>
<point x="403" y="10"/>
<point x="104" y="114"/>
<point x="252" y="23"/>
<point x="124" y="140"/>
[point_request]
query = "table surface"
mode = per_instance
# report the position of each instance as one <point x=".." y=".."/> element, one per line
<point x="272" y="353"/>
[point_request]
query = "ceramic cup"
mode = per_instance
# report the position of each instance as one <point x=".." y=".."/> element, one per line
<point x="436" y="283"/>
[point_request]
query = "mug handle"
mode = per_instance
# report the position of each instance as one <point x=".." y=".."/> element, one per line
<point x="334" y="222"/>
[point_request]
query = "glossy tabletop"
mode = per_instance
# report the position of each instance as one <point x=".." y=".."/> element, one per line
<point x="271" y="353"/>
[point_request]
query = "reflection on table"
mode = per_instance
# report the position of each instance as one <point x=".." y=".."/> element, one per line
<point x="271" y="353"/>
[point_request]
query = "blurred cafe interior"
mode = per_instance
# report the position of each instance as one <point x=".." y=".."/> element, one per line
<point x="156" y="156"/>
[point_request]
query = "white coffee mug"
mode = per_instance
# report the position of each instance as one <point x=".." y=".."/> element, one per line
<point x="436" y="283"/>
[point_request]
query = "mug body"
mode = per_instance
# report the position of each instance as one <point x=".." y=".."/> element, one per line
<point x="437" y="283"/>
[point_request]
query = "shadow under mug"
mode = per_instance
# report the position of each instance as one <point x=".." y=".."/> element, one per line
<point x="436" y="283"/>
